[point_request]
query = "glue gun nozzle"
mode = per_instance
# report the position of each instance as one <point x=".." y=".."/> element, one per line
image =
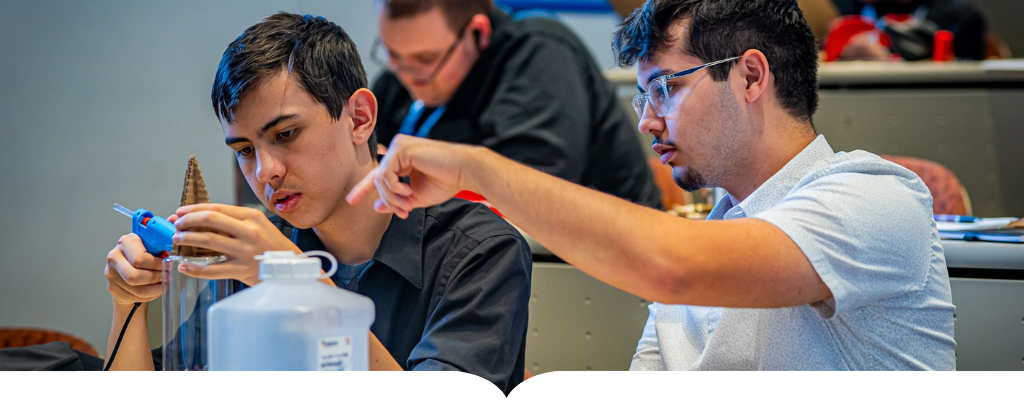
<point x="123" y="210"/>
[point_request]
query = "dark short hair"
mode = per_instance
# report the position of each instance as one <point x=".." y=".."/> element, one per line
<point x="457" y="12"/>
<point x="720" y="29"/>
<point x="319" y="53"/>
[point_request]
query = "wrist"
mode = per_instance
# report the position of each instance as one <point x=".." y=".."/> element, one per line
<point x="474" y="169"/>
<point x="124" y="307"/>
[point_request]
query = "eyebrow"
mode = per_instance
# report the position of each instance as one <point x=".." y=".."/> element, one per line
<point x="280" y="118"/>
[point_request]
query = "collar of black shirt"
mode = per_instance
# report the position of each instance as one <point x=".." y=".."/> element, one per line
<point x="401" y="248"/>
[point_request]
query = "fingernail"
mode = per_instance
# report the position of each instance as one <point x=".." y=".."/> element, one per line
<point x="176" y="238"/>
<point x="184" y="267"/>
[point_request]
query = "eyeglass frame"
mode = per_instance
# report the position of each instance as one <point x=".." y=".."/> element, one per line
<point x="378" y="44"/>
<point x="641" y="100"/>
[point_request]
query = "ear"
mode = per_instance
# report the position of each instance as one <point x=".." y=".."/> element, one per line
<point x="756" y="74"/>
<point x="481" y="30"/>
<point x="362" y="108"/>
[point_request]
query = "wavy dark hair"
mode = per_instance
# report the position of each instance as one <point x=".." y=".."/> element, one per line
<point x="319" y="53"/>
<point x="719" y="29"/>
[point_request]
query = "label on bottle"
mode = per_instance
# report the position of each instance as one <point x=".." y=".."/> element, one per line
<point x="335" y="354"/>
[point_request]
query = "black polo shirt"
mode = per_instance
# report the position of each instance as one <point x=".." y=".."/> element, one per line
<point x="536" y="96"/>
<point x="451" y="286"/>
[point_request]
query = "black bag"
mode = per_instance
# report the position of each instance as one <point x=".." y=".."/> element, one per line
<point x="913" y="42"/>
<point x="52" y="356"/>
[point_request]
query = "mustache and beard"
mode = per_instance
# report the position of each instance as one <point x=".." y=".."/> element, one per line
<point x="689" y="179"/>
<point x="724" y="153"/>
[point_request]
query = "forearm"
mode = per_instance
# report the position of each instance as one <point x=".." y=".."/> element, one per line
<point x="613" y="240"/>
<point x="134" y="352"/>
<point x="737" y="263"/>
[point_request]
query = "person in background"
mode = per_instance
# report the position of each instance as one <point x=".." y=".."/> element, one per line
<point x="463" y="71"/>
<point x="815" y="259"/>
<point x="450" y="284"/>
<point x="957" y="16"/>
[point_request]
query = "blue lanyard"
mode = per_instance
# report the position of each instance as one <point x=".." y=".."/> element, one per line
<point x="415" y="111"/>
<point x="869" y="12"/>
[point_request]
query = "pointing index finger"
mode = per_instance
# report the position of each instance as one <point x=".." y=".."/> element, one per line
<point x="362" y="189"/>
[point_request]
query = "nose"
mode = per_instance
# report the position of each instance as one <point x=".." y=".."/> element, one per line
<point x="651" y="124"/>
<point x="268" y="168"/>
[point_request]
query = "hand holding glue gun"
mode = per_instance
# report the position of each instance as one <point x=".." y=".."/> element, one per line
<point x="134" y="273"/>
<point x="134" y="267"/>
<point x="156" y="232"/>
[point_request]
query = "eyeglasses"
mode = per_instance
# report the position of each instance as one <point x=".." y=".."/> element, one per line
<point x="423" y="71"/>
<point x="658" y="90"/>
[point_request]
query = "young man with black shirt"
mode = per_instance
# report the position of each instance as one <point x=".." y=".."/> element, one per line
<point x="450" y="284"/>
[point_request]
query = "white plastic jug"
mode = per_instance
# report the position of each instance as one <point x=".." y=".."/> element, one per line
<point x="290" y="320"/>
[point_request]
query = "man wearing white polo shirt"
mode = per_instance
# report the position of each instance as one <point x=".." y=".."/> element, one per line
<point x="815" y="260"/>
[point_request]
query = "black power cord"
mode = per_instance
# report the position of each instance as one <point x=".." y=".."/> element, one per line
<point x="121" y="336"/>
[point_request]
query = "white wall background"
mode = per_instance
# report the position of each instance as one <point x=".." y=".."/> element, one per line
<point x="104" y="102"/>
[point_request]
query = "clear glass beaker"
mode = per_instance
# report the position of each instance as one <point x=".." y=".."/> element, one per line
<point x="185" y="303"/>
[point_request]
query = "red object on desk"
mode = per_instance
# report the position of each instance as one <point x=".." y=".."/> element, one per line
<point x="943" y="50"/>
<point x="476" y="198"/>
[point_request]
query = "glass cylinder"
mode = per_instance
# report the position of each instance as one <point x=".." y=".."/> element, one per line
<point x="185" y="303"/>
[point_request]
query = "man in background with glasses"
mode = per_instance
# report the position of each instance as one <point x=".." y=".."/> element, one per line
<point x="816" y="260"/>
<point x="464" y="71"/>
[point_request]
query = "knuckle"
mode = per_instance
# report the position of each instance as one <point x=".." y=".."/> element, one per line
<point x="132" y="277"/>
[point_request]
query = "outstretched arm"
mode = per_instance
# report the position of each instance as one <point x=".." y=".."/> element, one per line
<point x="737" y="263"/>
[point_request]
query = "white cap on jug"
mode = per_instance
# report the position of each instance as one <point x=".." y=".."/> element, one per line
<point x="285" y="264"/>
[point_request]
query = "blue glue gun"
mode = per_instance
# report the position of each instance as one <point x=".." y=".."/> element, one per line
<point x="155" y="231"/>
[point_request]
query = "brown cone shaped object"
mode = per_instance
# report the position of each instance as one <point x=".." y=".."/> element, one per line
<point x="194" y="192"/>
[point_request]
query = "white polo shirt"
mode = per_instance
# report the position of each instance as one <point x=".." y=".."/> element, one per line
<point x="866" y="226"/>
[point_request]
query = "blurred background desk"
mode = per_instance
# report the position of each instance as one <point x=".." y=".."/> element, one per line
<point x="578" y="323"/>
<point x="965" y="116"/>
<point x="987" y="280"/>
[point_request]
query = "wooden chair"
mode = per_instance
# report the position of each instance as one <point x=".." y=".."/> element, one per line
<point x="949" y="196"/>
<point x="17" y="337"/>
<point x="996" y="48"/>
